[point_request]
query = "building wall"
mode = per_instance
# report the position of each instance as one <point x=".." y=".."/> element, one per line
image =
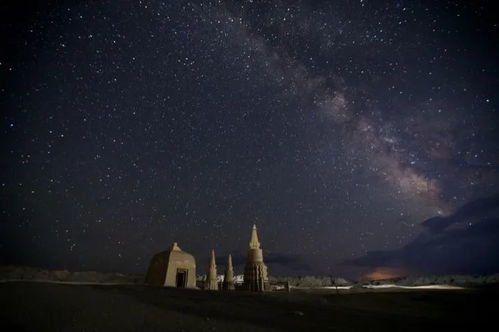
<point x="157" y="270"/>
<point x="180" y="260"/>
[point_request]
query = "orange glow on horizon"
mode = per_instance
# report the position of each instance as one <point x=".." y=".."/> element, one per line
<point x="385" y="273"/>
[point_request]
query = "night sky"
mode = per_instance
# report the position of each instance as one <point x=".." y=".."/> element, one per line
<point x="338" y="127"/>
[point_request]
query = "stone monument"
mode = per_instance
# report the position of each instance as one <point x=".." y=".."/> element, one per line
<point x="255" y="272"/>
<point x="173" y="268"/>
<point x="211" y="282"/>
<point x="228" y="283"/>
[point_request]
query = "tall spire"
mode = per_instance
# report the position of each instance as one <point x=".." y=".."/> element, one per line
<point x="254" y="244"/>
<point x="212" y="259"/>
<point x="228" y="283"/>
<point x="229" y="263"/>
<point x="255" y="271"/>
<point x="211" y="273"/>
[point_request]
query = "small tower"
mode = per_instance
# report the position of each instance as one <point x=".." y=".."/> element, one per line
<point x="228" y="283"/>
<point x="255" y="272"/>
<point x="211" y="274"/>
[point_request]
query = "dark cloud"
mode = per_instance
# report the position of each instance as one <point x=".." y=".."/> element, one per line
<point x="464" y="242"/>
<point x="475" y="209"/>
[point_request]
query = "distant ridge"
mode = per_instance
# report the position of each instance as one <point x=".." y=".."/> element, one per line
<point x="26" y="273"/>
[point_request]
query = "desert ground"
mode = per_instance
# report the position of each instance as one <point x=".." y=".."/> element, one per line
<point x="40" y="306"/>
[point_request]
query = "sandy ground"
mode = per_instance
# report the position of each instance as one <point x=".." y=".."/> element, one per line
<point x="29" y="306"/>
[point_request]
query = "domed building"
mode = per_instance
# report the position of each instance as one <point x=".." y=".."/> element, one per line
<point x="172" y="268"/>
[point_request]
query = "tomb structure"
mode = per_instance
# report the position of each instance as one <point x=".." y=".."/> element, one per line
<point x="172" y="268"/>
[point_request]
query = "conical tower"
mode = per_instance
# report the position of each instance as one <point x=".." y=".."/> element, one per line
<point x="254" y="243"/>
<point x="211" y="274"/>
<point x="255" y="272"/>
<point x="228" y="283"/>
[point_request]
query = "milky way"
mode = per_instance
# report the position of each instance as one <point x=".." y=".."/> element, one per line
<point x="338" y="127"/>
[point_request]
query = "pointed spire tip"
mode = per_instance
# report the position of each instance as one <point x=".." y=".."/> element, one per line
<point x="254" y="244"/>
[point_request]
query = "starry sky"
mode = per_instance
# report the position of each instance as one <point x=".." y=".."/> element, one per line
<point x="341" y="128"/>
